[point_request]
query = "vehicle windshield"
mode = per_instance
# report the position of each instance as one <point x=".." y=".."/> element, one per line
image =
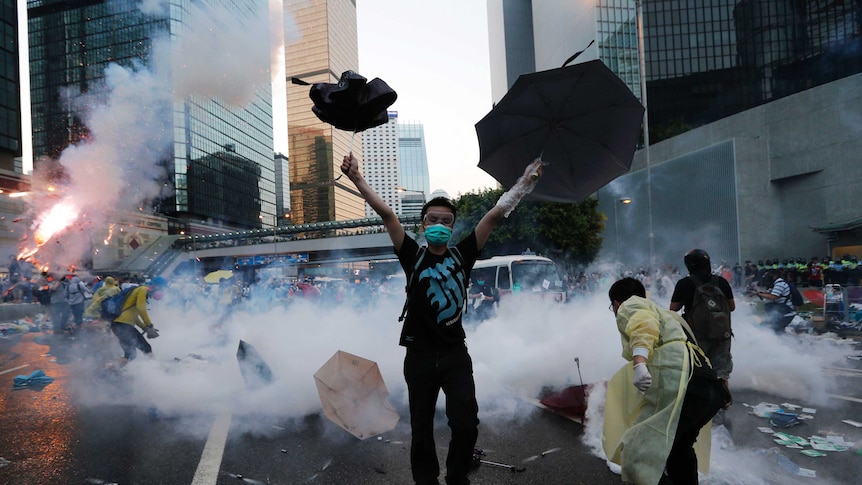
<point x="535" y="276"/>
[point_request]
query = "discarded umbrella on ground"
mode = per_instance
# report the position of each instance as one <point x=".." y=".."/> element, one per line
<point x="478" y="453"/>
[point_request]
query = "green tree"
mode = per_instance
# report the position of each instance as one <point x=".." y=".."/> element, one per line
<point x="567" y="233"/>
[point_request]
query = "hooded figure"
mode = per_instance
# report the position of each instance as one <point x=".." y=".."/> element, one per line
<point x="109" y="288"/>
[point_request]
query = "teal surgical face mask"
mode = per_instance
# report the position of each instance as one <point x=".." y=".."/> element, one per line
<point x="437" y="235"/>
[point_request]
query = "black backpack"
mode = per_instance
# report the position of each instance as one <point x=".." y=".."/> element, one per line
<point x="709" y="315"/>
<point x="795" y="296"/>
<point x="111" y="307"/>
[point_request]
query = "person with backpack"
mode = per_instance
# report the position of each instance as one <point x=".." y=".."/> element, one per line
<point x="107" y="289"/>
<point x="132" y="313"/>
<point x="660" y="399"/>
<point x="779" y="309"/>
<point x="77" y="294"/>
<point x="706" y="301"/>
<point x="437" y="358"/>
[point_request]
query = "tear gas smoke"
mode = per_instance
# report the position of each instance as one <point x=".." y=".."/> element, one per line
<point x="117" y="163"/>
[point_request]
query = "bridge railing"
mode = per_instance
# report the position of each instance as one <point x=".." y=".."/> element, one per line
<point x="189" y="242"/>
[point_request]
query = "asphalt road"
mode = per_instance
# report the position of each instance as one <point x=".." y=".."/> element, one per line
<point x="53" y="435"/>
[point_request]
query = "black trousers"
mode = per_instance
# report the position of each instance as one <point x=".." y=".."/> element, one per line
<point x="703" y="399"/>
<point x="130" y="340"/>
<point x="426" y="374"/>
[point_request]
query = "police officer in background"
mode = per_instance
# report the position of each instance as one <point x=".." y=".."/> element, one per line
<point x="483" y="298"/>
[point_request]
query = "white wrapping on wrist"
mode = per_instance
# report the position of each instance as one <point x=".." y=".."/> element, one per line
<point x="513" y="196"/>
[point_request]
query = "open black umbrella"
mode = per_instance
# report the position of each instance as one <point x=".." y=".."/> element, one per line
<point x="582" y="120"/>
<point x="352" y="104"/>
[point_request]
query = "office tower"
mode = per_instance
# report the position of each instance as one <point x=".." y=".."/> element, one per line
<point x="510" y="36"/>
<point x="413" y="161"/>
<point x="327" y="47"/>
<point x="703" y="61"/>
<point x="10" y="102"/>
<point x="282" y="189"/>
<point x="219" y="164"/>
<point x="753" y="146"/>
<point x="380" y="145"/>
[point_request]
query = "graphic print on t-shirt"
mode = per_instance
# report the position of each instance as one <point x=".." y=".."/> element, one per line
<point x="446" y="289"/>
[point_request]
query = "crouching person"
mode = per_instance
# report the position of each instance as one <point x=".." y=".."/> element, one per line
<point x="134" y="313"/>
<point x="658" y="403"/>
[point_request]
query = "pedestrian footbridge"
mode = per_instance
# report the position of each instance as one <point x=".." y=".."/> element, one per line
<point x="306" y="244"/>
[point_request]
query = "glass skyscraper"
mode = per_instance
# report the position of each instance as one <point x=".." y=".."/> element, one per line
<point x="327" y="47"/>
<point x="10" y="105"/>
<point x="221" y="164"/>
<point x="704" y="60"/>
<point x="707" y="60"/>
<point x="413" y="165"/>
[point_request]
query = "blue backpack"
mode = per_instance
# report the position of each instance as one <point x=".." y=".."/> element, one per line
<point x="112" y="306"/>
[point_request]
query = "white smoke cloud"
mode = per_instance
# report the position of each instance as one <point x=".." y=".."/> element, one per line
<point x="222" y="55"/>
<point x="117" y="164"/>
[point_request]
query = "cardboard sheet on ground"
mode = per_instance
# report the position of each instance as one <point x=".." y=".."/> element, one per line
<point x="354" y="396"/>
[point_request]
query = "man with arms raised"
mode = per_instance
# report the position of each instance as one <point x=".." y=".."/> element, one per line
<point x="437" y="357"/>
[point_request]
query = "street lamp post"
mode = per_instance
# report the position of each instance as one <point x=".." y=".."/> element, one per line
<point x="624" y="201"/>
<point x="422" y="192"/>
<point x="642" y="69"/>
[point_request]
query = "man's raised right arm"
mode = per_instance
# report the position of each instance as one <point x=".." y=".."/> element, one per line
<point x="350" y="166"/>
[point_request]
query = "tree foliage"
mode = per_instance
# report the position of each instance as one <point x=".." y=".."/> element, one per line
<point x="567" y="233"/>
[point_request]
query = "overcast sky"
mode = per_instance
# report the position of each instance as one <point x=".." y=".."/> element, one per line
<point x="435" y="56"/>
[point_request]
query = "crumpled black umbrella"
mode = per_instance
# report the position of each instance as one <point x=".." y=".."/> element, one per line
<point x="582" y="120"/>
<point x="353" y="104"/>
<point x="255" y="371"/>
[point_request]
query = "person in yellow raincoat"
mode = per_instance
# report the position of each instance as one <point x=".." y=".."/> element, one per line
<point x="657" y="404"/>
<point x="108" y="289"/>
<point x="134" y="313"/>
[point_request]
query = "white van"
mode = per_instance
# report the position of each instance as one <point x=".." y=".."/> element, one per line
<point x="522" y="274"/>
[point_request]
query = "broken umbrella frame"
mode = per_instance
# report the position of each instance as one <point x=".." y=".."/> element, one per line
<point x="478" y="453"/>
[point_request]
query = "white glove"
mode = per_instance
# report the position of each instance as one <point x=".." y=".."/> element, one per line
<point x="642" y="378"/>
<point x="522" y="187"/>
<point x="152" y="332"/>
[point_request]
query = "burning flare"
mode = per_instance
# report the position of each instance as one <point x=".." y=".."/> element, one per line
<point x="50" y="223"/>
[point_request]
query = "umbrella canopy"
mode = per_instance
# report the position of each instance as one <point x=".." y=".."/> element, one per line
<point x="582" y="120"/>
<point x="255" y="371"/>
<point x="219" y="275"/>
<point x="352" y="104"/>
<point x="354" y="396"/>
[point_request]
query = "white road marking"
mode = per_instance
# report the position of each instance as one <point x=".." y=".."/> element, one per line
<point x="845" y="398"/>
<point x="13" y="369"/>
<point x="208" y="468"/>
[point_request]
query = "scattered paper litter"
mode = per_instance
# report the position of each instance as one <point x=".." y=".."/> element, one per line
<point x="852" y="423"/>
<point x="764" y="429"/>
<point x="809" y="410"/>
<point x="812" y="453"/>
<point x="805" y="472"/>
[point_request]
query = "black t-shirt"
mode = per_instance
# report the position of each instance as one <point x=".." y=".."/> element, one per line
<point x="437" y="294"/>
<point x="684" y="290"/>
